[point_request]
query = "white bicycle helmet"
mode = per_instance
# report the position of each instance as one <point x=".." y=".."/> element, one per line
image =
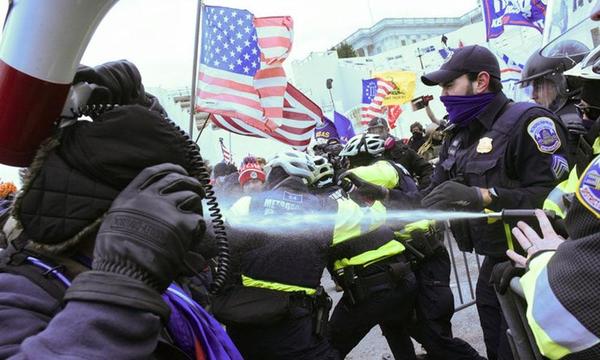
<point x="364" y="143"/>
<point x="294" y="163"/>
<point x="323" y="169"/>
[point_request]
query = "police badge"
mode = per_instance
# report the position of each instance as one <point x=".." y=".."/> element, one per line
<point x="543" y="131"/>
<point x="485" y="145"/>
<point x="588" y="191"/>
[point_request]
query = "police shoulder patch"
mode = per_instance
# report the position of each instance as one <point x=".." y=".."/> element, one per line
<point x="560" y="166"/>
<point x="588" y="190"/>
<point x="543" y="131"/>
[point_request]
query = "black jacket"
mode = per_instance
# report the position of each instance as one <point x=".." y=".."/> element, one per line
<point x="416" y="165"/>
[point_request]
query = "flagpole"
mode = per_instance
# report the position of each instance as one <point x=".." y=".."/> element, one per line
<point x="230" y="148"/>
<point x="195" y="68"/>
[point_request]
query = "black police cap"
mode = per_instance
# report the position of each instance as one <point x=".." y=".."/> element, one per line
<point x="469" y="59"/>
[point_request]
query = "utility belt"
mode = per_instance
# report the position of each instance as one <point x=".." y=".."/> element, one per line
<point x="251" y="306"/>
<point x="421" y="244"/>
<point x="360" y="282"/>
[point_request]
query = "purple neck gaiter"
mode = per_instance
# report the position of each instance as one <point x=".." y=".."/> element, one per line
<point x="462" y="110"/>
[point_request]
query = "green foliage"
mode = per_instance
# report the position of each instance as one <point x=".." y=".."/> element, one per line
<point x="346" y="51"/>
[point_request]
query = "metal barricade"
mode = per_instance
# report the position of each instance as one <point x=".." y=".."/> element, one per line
<point x="465" y="270"/>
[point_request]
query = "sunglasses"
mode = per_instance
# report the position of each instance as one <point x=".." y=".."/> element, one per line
<point x="591" y="112"/>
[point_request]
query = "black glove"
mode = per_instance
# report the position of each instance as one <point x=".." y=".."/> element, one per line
<point x="142" y="243"/>
<point x="452" y="195"/>
<point x="362" y="189"/>
<point x="502" y="274"/>
<point x="116" y="82"/>
<point x="574" y="125"/>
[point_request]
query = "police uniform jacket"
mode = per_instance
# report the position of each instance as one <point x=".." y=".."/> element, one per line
<point x="516" y="149"/>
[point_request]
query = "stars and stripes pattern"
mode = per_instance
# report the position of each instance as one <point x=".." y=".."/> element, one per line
<point x="227" y="158"/>
<point x="241" y="76"/>
<point x="275" y="42"/>
<point x="296" y="127"/>
<point x="374" y="91"/>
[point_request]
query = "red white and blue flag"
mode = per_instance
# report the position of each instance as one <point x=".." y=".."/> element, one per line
<point x="374" y="91"/>
<point x="227" y="158"/>
<point x="242" y="82"/>
<point x="296" y="127"/>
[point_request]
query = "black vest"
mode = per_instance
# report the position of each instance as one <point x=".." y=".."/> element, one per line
<point x="292" y="255"/>
<point x="485" y="170"/>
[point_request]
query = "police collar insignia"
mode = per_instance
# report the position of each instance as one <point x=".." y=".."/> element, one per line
<point x="543" y="131"/>
<point x="560" y="166"/>
<point x="485" y="145"/>
<point x="588" y="191"/>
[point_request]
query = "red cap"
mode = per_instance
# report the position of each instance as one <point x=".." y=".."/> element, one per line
<point x="251" y="171"/>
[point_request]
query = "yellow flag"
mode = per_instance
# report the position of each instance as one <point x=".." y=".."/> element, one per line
<point x="405" y="81"/>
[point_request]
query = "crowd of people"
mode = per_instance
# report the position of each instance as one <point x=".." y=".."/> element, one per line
<point x="112" y="254"/>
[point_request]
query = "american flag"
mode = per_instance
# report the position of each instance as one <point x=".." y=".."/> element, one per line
<point x="296" y="127"/>
<point x="227" y="158"/>
<point x="374" y="91"/>
<point x="241" y="75"/>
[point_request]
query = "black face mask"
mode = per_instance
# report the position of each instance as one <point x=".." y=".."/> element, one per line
<point x="417" y="135"/>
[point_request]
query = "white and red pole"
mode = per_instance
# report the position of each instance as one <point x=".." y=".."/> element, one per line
<point x="42" y="44"/>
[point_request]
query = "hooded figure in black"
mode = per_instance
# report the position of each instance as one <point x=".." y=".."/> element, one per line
<point x="110" y="211"/>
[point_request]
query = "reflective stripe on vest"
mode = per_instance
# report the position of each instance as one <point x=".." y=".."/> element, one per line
<point x="367" y="258"/>
<point x="380" y="173"/>
<point x="352" y="220"/>
<point x="250" y="282"/>
<point x="421" y="225"/>
<point x="555" y="200"/>
<point x="557" y="332"/>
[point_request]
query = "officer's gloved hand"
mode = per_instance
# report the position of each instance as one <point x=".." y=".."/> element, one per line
<point x="502" y="274"/>
<point x="363" y="190"/>
<point x="143" y="241"/>
<point x="574" y="125"/>
<point x="452" y="194"/>
<point x="116" y="82"/>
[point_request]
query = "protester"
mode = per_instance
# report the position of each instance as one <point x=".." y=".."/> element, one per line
<point x="99" y="270"/>
<point x="251" y="176"/>
<point x="418" y="136"/>
<point x="497" y="154"/>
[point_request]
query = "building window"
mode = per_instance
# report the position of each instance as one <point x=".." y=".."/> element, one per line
<point x="403" y="42"/>
<point x="360" y="52"/>
<point x="414" y="41"/>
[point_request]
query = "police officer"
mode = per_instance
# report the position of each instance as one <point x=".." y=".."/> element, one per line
<point x="544" y="77"/>
<point x="276" y="308"/>
<point x="589" y="143"/>
<point x="379" y="179"/>
<point x="497" y="154"/>
<point x="366" y="260"/>
<point x="561" y="294"/>
<point x="401" y="153"/>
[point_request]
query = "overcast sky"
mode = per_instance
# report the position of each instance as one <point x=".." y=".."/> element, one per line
<point x="158" y="35"/>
